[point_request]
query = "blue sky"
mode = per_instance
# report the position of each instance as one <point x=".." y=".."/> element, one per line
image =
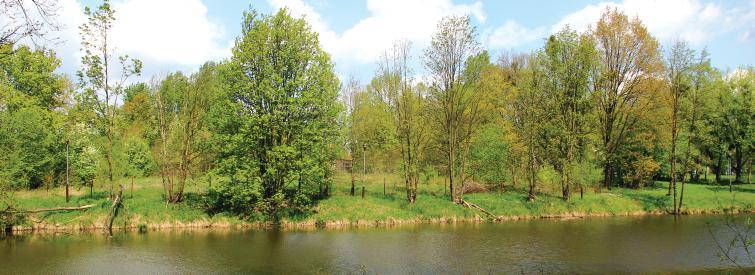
<point x="170" y="35"/>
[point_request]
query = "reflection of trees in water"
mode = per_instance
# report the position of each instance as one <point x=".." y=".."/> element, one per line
<point x="731" y="250"/>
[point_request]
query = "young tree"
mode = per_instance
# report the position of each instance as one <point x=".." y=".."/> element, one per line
<point x="524" y="111"/>
<point x="679" y="69"/>
<point x="349" y="94"/>
<point x="630" y="62"/>
<point x="454" y="99"/>
<point x="273" y="124"/>
<point x="406" y="104"/>
<point x="181" y="103"/>
<point x="698" y="110"/>
<point x="100" y="89"/>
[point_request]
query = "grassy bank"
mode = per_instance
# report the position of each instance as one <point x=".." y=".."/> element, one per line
<point x="383" y="204"/>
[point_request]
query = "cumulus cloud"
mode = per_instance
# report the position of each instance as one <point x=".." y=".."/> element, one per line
<point x="511" y="34"/>
<point x="167" y="35"/>
<point x="173" y="31"/>
<point x="389" y="21"/>
<point x="690" y="20"/>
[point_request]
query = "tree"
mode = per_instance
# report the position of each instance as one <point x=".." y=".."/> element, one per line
<point x="630" y="64"/>
<point x="279" y="108"/>
<point x="349" y="93"/>
<point x="30" y="126"/>
<point x="455" y="102"/>
<point x="100" y="91"/>
<point x="27" y="20"/>
<point x="569" y="58"/>
<point x="736" y="101"/>
<point x="697" y="101"/>
<point x="181" y="103"/>
<point x="680" y="64"/>
<point x="523" y="109"/>
<point x="372" y="140"/>
<point x="393" y="84"/>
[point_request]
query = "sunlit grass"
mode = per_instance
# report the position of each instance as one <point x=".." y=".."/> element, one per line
<point x="385" y="201"/>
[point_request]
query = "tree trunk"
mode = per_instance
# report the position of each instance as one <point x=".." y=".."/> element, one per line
<point x="672" y="184"/>
<point x="352" y="181"/>
<point x="719" y="167"/>
<point x="67" y="171"/>
<point x="739" y="162"/>
<point x="607" y="175"/>
<point x="114" y="210"/>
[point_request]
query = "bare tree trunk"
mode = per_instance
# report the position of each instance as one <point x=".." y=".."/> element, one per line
<point x="67" y="170"/>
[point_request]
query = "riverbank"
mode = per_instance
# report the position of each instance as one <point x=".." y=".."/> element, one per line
<point x="383" y="205"/>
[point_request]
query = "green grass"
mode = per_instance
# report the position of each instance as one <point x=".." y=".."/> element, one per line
<point x="381" y="203"/>
<point x="147" y="207"/>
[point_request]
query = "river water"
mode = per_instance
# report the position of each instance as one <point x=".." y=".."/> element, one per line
<point x="591" y="245"/>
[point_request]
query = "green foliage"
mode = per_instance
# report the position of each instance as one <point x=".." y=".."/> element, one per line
<point x="272" y="126"/>
<point x="138" y="158"/>
<point x="488" y="155"/>
<point x="30" y="77"/>
<point x="30" y="146"/>
<point x="30" y="127"/>
<point x="372" y="128"/>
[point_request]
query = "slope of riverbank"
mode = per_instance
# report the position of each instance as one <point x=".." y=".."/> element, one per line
<point x="382" y="205"/>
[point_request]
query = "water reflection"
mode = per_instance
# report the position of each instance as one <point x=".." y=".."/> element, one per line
<point x="596" y="245"/>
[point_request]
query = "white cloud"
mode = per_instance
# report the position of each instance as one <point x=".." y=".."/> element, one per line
<point x="389" y="21"/>
<point x="690" y="20"/>
<point x="511" y="34"/>
<point x="166" y="35"/>
<point x="172" y="31"/>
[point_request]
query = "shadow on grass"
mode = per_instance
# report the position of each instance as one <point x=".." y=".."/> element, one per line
<point x="650" y="202"/>
<point x="735" y="188"/>
<point x="97" y="195"/>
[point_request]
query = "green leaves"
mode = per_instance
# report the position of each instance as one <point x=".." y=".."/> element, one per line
<point x="274" y="123"/>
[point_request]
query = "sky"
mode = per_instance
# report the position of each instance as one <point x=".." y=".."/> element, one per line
<point x="180" y="35"/>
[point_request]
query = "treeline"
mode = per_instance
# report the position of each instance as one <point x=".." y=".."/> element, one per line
<point x="604" y="107"/>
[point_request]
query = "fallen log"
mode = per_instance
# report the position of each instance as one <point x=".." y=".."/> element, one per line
<point x="84" y="207"/>
<point x="474" y="206"/>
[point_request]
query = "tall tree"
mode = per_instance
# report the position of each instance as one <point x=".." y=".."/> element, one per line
<point x="524" y="110"/>
<point x="736" y="99"/>
<point x="30" y="125"/>
<point x="698" y="110"/>
<point x="453" y="95"/>
<point x="100" y="89"/>
<point x="630" y="62"/>
<point x="406" y="104"/>
<point x="679" y="70"/>
<point x="569" y="59"/>
<point x="279" y="109"/>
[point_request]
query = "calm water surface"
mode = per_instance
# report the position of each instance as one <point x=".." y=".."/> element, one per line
<point x="594" y="245"/>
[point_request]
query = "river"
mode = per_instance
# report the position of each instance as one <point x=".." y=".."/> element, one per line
<point x="590" y="245"/>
